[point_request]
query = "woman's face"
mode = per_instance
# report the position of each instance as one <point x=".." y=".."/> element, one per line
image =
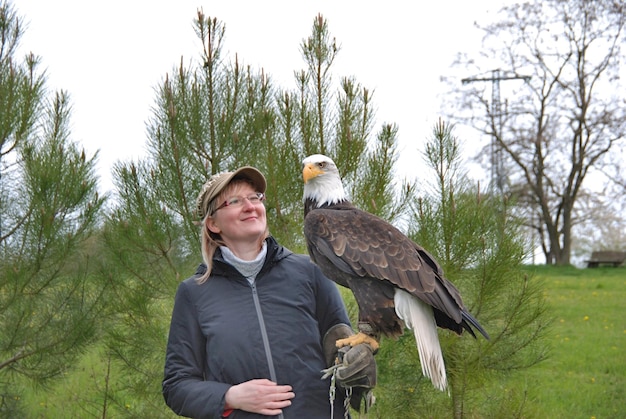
<point x="244" y="223"/>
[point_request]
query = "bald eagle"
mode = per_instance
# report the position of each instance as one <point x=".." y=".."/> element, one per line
<point x="395" y="282"/>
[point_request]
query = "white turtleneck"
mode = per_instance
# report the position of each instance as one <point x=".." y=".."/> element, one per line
<point x="248" y="268"/>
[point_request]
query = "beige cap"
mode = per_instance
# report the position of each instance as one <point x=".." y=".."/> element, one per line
<point x="216" y="184"/>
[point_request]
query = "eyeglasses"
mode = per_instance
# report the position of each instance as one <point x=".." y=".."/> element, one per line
<point x="237" y="201"/>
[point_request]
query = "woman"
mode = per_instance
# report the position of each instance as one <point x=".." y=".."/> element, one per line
<point x="248" y="329"/>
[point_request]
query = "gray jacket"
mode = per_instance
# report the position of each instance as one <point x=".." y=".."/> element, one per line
<point x="226" y="331"/>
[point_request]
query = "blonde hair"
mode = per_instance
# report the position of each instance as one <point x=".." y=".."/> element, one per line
<point x="210" y="241"/>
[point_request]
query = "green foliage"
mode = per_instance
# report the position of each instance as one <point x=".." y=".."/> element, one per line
<point x="49" y="207"/>
<point x="89" y="392"/>
<point x="21" y="87"/>
<point x="478" y="245"/>
<point x="344" y="132"/>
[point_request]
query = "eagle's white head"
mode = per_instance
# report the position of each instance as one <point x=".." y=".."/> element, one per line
<point x="322" y="183"/>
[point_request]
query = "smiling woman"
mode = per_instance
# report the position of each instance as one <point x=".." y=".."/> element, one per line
<point x="241" y="226"/>
<point x="248" y="330"/>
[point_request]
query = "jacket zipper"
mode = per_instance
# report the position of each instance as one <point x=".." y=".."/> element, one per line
<point x="266" y="342"/>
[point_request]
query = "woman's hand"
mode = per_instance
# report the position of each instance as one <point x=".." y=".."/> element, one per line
<point x="259" y="396"/>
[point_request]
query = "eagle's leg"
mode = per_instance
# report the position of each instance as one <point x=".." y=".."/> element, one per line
<point x="357" y="339"/>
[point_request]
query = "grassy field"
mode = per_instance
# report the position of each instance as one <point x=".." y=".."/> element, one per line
<point x="584" y="376"/>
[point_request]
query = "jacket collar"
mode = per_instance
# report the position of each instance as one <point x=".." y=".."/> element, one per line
<point x="275" y="253"/>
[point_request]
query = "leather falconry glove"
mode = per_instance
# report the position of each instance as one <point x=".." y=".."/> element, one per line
<point x="355" y="366"/>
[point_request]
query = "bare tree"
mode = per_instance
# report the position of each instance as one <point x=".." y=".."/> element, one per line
<point x="565" y="122"/>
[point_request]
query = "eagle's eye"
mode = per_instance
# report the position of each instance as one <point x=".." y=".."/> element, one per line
<point x="322" y="164"/>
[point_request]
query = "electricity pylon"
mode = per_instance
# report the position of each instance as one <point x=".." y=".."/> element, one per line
<point x="498" y="175"/>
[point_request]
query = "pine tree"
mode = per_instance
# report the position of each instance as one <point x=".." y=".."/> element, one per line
<point x="342" y="129"/>
<point x="49" y="206"/>
<point x="478" y="243"/>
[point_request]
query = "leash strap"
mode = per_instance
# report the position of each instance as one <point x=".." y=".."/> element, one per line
<point x="346" y="403"/>
<point x="331" y="394"/>
<point x="331" y="397"/>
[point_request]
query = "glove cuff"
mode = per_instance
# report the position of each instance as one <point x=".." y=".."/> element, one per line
<point x="338" y="331"/>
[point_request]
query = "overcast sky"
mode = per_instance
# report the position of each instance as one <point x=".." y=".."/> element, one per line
<point x="111" y="55"/>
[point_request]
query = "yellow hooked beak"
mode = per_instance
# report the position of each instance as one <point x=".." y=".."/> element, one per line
<point x="310" y="171"/>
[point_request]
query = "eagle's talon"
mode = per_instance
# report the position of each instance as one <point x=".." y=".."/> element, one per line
<point x="358" y="339"/>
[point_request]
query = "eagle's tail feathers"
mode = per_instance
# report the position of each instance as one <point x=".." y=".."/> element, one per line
<point x="419" y="317"/>
<point x="468" y="318"/>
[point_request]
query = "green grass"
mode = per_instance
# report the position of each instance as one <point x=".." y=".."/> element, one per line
<point x="584" y="376"/>
<point x="77" y="394"/>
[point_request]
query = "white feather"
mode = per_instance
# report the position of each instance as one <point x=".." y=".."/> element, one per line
<point x="419" y="317"/>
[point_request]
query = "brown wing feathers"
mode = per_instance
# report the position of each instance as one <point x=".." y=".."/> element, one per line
<point x="393" y="258"/>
